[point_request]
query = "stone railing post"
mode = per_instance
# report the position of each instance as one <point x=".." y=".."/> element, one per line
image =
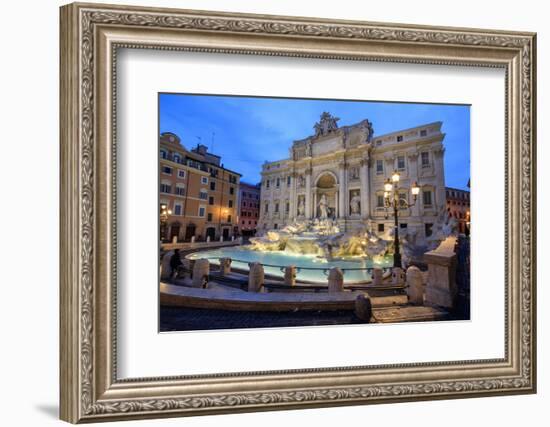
<point x="207" y="239"/>
<point x="225" y="266"/>
<point x="415" y="286"/>
<point x="192" y="239"/>
<point x="290" y="275"/>
<point x="441" y="286"/>
<point x="188" y="265"/>
<point x="255" y="277"/>
<point x="335" y="280"/>
<point x="377" y="276"/>
<point x="165" y="269"/>
<point x="363" y="307"/>
<point x="201" y="270"/>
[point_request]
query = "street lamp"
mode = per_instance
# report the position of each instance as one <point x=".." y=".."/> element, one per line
<point x="392" y="200"/>
<point x="164" y="212"/>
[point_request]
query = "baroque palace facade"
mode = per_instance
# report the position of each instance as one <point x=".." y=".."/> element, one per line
<point x="342" y="170"/>
<point x="200" y="196"/>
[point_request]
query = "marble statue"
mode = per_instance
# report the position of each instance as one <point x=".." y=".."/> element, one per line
<point x="301" y="207"/>
<point x="326" y="124"/>
<point x="323" y="207"/>
<point x="355" y="204"/>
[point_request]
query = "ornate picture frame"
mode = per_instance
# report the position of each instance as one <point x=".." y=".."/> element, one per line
<point x="90" y="37"/>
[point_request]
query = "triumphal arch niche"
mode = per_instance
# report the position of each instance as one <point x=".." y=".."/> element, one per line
<point x="338" y="173"/>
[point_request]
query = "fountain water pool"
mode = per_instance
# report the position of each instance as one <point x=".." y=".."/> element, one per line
<point x="273" y="260"/>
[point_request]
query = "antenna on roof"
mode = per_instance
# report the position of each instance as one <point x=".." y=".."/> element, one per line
<point x="199" y="139"/>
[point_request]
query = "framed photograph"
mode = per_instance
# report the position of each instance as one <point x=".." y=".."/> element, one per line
<point x="267" y="212"/>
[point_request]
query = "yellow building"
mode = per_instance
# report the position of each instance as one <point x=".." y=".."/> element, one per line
<point x="198" y="196"/>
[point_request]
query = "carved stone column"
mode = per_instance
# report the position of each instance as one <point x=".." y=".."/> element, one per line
<point x="413" y="174"/>
<point x="342" y="207"/>
<point x="292" y="198"/>
<point x="314" y="211"/>
<point x="365" y="194"/>
<point x="440" y="197"/>
<point x="308" y="193"/>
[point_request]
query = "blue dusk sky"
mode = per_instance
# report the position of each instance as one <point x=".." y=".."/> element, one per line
<point x="246" y="131"/>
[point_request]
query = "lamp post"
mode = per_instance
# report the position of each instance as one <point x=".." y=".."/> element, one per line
<point x="392" y="200"/>
<point x="164" y="212"/>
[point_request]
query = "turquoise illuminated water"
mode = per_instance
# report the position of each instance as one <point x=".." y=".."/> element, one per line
<point x="272" y="262"/>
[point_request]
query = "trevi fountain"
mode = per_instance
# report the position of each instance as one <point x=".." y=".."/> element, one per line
<point x="314" y="246"/>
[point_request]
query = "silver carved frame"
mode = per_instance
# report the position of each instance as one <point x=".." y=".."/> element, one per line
<point x="90" y="36"/>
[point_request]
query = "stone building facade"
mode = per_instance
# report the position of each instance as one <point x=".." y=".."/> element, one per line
<point x="201" y="195"/>
<point x="339" y="172"/>
<point x="249" y="209"/>
<point x="458" y="206"/>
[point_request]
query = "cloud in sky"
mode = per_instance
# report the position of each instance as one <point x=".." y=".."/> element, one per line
<point x="246" y="131"/>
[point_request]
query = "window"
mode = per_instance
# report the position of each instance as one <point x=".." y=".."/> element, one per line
<point x="165" y="188"/>
<point x="401" y="163"/>
<point x="425" y="156"/>
<point x="243" y="222"/>
<point x="167" y="170"/>
<point x="163" y="154"/>
<point x="203" y="195"/>
<point x="181" y="173"/>
<point x="231" y="190"/>
<point x="211" y="200"/>
<point x="204" y="180"/>
<point x="276" y="207"/>
<point x="428" y="229"/>
<point x="278" y="182"/>
<point x="288" y="181"/>
<point x="423" y="132"/>
<point x="267" y="183"/>
<point x="380" y="228"/>
<point x="212" y="185"/>
<point x="287" y="207"/>
<point x="177" y="210"/>
<point x="180" y="190"/>
<point x="379" y="200"/>
<point x="209" y="217"/>
<point x="176" y="158"/>
<point x="202" y="211"/>
<point x="266" y="208"/>
<point x="427" y="197"/>
<point x="379" y="167"/>
<point x="228" y="218"/>
<point x="275" y="226"/>
<point x="403" y="225"/>
<point x="230" y="204"/>
<point x="399" y="138"/>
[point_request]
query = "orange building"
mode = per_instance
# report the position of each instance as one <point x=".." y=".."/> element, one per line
<point x="198" y="196"/>
<point x="458" y="206"/>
